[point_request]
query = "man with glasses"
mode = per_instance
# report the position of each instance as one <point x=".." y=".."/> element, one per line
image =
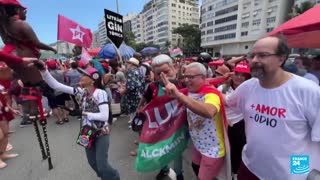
<point x="204" y="118"/>
<point x="281" y="115"/>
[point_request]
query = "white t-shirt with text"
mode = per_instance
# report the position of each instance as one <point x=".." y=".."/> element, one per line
<point x="279" y="123"/>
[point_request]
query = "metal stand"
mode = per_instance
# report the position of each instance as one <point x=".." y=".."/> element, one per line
<point x="43" y="123"/>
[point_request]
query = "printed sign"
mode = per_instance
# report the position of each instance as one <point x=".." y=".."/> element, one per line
<point x="114" y="26"/>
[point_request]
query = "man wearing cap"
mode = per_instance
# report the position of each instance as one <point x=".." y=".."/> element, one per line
<point x="133" y="88"/>
<point x="57" y="102"/>
<point x="281" y="115"/>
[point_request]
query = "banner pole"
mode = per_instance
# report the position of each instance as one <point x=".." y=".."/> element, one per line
<point x="117" y="6"/>
<point x="117" y="50"/>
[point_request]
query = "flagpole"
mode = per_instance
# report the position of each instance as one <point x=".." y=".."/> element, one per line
<point x="117" y="6"/>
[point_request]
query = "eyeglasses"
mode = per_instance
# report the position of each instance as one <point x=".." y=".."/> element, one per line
<point x="191" y="77"/>
<point x="259" y="55"/>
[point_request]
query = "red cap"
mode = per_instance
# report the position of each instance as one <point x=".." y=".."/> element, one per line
<point x="242" y="67"/>
<point x="217" y="62"/>
<point x="13" y="2"/>
<point x="105" y="65"/>
<point x="52" y="64"/>
<point x="81" y="64"/>
<point x="93" y="73"/>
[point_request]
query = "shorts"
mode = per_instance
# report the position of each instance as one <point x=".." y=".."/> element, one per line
<point x="57" y="101"/>
<point x="209" y="167"/>
<point x="7" y="116"/>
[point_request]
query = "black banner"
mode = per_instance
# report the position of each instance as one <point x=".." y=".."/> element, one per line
<point x="114" y="26"/>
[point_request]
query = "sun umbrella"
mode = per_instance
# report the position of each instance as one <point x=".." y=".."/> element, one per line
<point x="302" y="31"/>
<point x="149" y="50"/>
<point x="109" y="52"/>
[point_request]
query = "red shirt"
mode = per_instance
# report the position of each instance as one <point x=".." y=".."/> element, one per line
<point x="7" y="58"/>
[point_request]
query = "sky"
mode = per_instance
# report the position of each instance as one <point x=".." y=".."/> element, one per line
<point x="42" y="15"/>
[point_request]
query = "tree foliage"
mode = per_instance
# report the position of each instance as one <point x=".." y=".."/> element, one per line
<point x="140" y="46"/>
<point x="129" y="38"/>
<point x="77" y="50"/>
<point x="191" y="38"/>
<point x="298" y="10"/>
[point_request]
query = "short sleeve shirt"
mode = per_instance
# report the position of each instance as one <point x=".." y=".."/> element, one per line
<point x="206" y="133"/>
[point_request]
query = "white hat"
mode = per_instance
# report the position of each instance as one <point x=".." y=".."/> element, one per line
<point x="134" y="61"/>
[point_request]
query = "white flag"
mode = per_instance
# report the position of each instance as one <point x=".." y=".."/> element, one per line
<point x="85" y="56"/>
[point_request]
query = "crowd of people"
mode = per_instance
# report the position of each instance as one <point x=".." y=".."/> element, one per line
<point x="271" y="106"/>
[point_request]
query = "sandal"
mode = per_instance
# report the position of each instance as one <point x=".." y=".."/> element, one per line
<point x="6" y="156"/>
<point x="59" y="122"/>
<point x="133" y="153"/>
<point x="2" y="164"/>
<point x="66" y="120"/>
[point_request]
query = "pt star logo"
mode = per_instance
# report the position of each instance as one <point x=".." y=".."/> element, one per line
<point x="77" y="33"/>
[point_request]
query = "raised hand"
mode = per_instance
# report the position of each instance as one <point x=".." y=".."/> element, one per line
<point x="16" y="112"/>
<point x="169" y="87"/>
<point x="40" y="65"/>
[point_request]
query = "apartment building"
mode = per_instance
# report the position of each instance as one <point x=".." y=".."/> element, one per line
<point x="230" y="27"/>
<point x="62" y="47"/>
<point x="159" y="17"/>
<point x="102" y="32"/>
<point x="95" y="40"/>
<point x="127" y="22"/>
<point x="137" y="28"/>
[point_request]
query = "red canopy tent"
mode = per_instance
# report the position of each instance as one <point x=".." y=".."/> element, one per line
<point x="302" y="31"/>
<point x="94" y="51"/>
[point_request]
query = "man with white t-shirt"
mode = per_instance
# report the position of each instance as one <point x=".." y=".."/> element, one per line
<point x="281" y="114"/>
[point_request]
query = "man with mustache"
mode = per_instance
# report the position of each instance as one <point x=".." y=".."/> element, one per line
<point x="281" y="115"/>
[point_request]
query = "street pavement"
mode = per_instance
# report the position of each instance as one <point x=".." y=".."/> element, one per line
<point x="69" y="159"/>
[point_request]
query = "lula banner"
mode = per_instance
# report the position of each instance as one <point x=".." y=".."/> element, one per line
<point x="114" y="26"/>
<point x="164" y="135"/>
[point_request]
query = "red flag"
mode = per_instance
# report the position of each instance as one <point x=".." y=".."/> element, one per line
<point x="72" y="32"/>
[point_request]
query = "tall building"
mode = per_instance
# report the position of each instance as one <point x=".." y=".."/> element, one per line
<point x="127" y="22"/>
<point x="159" y="17"/>
<point x="62" y="47"/>
<point x="102" y="32"/>
<point x="230" y="27"/>
<point x="95" y="40"/>
<point x="137" y="28"/>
